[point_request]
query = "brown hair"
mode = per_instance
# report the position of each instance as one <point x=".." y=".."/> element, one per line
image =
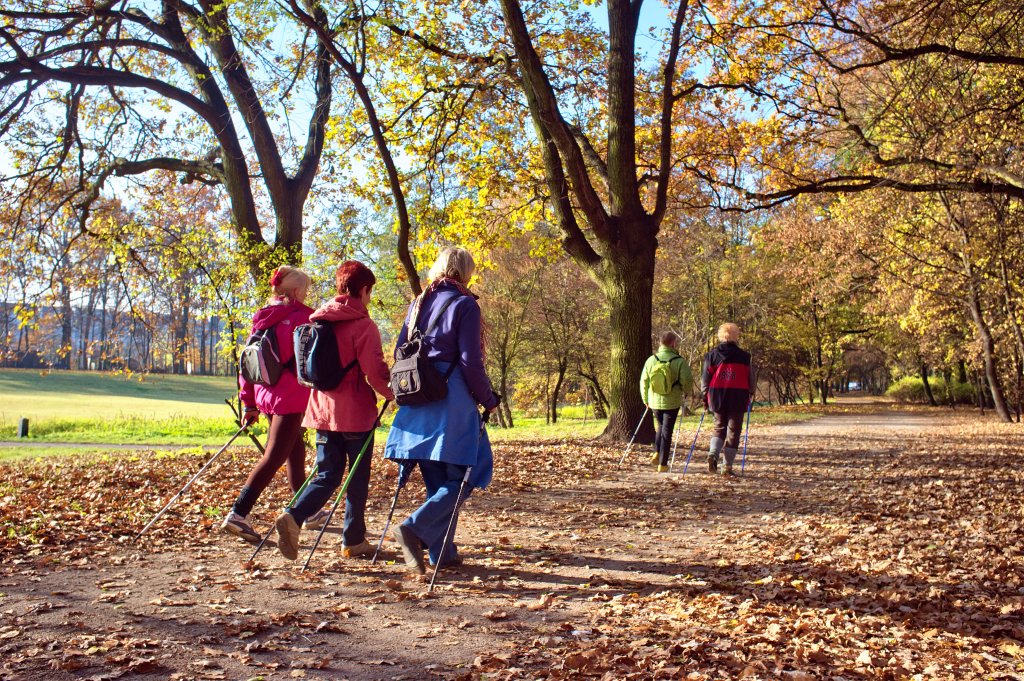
<point x="352" y="277"/>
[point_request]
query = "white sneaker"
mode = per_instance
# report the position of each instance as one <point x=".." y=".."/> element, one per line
<point x="317" y="520"/>
<point x="239" y="526"/>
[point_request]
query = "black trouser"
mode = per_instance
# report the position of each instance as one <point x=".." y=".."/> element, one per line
<point x="665" y="423"/>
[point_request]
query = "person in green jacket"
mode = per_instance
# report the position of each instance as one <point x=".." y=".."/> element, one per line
<point x="665" y="379"/>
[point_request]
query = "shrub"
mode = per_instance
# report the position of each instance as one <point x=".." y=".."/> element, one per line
<point x="910" y="389"/>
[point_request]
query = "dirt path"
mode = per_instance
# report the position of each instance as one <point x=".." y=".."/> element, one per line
<point x="567" y="559"/>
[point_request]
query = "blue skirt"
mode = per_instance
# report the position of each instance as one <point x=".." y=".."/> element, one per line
<point x="447" y="431"/>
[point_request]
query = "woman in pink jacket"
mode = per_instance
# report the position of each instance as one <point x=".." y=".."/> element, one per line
<point x="284" y="403"/>
<point x="344" y="417"/>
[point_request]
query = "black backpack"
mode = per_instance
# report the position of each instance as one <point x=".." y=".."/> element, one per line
<point x="317" y="363"/>
<point x="414" y="380"/>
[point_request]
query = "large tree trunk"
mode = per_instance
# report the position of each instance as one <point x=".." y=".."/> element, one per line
<point x="628" y="287"/>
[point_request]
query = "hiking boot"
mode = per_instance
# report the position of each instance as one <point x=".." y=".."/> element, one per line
<point x="317" y="520"/>
<point x="412" y="548"/>
<point x="239" y="526"/>
<point x="287" y="536"/>
<point x="712" y="464"/>
<point x="655" y="457"/>
<point x="663" y="469"/>
<point x="363" y="548"/>
<point x="729" y="471"/>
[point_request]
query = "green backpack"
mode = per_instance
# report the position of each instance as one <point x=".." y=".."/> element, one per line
<point x="662" y="382"/>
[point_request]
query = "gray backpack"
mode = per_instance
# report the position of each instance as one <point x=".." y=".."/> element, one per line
<point x="260" y="362"/>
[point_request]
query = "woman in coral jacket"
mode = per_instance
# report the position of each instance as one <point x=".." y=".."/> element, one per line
<point x="283" y="403"/>
<point x="344" y="417"/>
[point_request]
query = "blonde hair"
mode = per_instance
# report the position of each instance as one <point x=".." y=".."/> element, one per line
<point x="453" y="262"/>
<point x="287" y="281"/>
<point x="728" y="332"/>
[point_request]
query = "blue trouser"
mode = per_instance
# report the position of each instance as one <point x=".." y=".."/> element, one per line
<point x="430" y="521"/>
<point x="334" y="453"/>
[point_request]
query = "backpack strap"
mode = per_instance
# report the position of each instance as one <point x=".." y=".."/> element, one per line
<point x="679" y="374"/>
<point x="265" y="334"/>
<point x="433" y="324"/>
<point x="440" y="313"/>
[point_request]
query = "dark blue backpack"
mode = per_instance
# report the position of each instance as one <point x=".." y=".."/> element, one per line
<point x="317" y="363"/>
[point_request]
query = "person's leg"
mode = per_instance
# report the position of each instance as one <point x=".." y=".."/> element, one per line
<point x="717" y="440"/>
<point x="295" y="466"/>
<point x="668" y="425"/>
<point x="429" y="523"/>
<point x="330" y="466"/>
<point x="659" y="432"/>
<point x="734" y="423"/>
<point x="354" y="531"/>
<point x="280" y="446"/>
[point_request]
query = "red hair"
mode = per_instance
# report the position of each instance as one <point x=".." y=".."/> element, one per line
<point x="352" y="277"/>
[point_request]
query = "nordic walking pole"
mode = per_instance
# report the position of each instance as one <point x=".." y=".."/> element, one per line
<point x="403" y="477"/>
<point x="344" y="488"/>
<point x="451" y="524"/>
<point x="675" y="442"/>
<point x="630" y="445"/>
<point x="189" y="483"/>
<point x="694" y="445"/>
<point x="295" y="496"/>
<point x="746" y="434"/>
<point x="458" y="501"/>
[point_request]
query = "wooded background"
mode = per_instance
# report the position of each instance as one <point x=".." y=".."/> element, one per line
<point x="843" y="180"/>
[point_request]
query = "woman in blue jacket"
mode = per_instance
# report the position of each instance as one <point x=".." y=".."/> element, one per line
<point x="444" y="437"/>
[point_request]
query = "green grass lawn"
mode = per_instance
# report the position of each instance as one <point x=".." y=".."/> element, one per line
<point x="85" y="407"/>
<point x="73" y="406"/>
<point x="79" y="394"/>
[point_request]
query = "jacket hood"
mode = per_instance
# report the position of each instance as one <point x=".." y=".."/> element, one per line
<point x="341" y="309"/>
<point x="267" y="316"/>
<point x="666" y="353"/>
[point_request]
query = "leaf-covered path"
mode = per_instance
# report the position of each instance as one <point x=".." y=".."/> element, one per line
<point x="859" y="545"/>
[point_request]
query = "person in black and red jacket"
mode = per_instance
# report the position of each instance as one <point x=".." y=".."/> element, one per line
<point x="727" y="383"/>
